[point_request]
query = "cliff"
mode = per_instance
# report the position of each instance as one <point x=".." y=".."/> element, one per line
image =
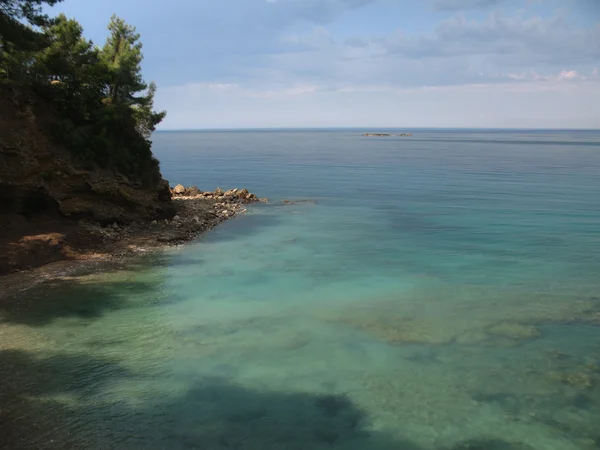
<point x="40" y="178"/>
<point x="45" y="188"/>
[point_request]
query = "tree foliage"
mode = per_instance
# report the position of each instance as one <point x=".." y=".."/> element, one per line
<point x="105" y="106"/>
<point x="16" y="19"/>
<point x="122" y="54"/>
<point x="30" y="10"/>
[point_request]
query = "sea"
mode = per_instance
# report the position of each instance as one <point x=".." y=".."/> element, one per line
<point x="439" y="291"/>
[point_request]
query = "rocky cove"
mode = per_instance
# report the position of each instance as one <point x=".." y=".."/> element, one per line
<point x="193" y="212"/>
<point x="57" y="206"/>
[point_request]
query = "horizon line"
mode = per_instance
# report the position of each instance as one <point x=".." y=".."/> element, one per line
<point x="371" y="129"/>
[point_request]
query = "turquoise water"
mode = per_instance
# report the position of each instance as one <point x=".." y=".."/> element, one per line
<point x="436" y="292"/>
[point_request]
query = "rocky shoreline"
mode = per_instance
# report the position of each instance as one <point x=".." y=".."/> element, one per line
<point x="195" y="213"/>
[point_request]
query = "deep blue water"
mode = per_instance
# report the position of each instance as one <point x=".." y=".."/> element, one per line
<point x="438" y="291"/>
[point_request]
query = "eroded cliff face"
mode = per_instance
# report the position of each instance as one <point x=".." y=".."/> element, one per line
<point x="45" y="189"/>
<point x="39" y="178"/>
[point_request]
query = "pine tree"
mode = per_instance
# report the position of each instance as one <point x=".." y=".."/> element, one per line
<point x="122" y="53"/>
<point x="68" y="55"/>
<point x="71" y="63"/>
<point x="129" y="101"/>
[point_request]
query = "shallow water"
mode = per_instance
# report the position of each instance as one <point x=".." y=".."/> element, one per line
<point x="437" y="292"/>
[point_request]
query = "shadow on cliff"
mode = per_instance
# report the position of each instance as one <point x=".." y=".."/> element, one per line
<point x="213" y="414"/>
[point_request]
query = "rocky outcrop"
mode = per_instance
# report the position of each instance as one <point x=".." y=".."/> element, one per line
<point x="194" y="214"/>
<point x="199" y="211"/>
<point x="229" y="197"/>
<point x="40" y="178"/>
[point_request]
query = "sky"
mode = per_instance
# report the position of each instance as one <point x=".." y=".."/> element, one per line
<point x="364" y="63"/>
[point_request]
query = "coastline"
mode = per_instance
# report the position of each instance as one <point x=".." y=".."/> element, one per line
<point x="104" y="247"/>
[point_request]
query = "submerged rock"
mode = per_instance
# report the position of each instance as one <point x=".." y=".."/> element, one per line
<point x="515" y="331"/>
<point x="302" y="201"/>
<point x="398" y="330"/>
<point x="583" y="380"/>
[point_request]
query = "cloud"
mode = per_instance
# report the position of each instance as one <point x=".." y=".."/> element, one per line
<point x="290" y="42"/>
<point x="238" y="91"/>
<point x="222" y="86"/>
<point x="457" y="5"/>
<point x="519" y="62"/>
<point x="545" y="104"/>
<point x="218" y="38"/>
<point x="569" y="76"/>
<point x="458" y="51"/>
<point x="332" y="62"/>
<point x="268" y="15"/>
<point x="510" y="39"/>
